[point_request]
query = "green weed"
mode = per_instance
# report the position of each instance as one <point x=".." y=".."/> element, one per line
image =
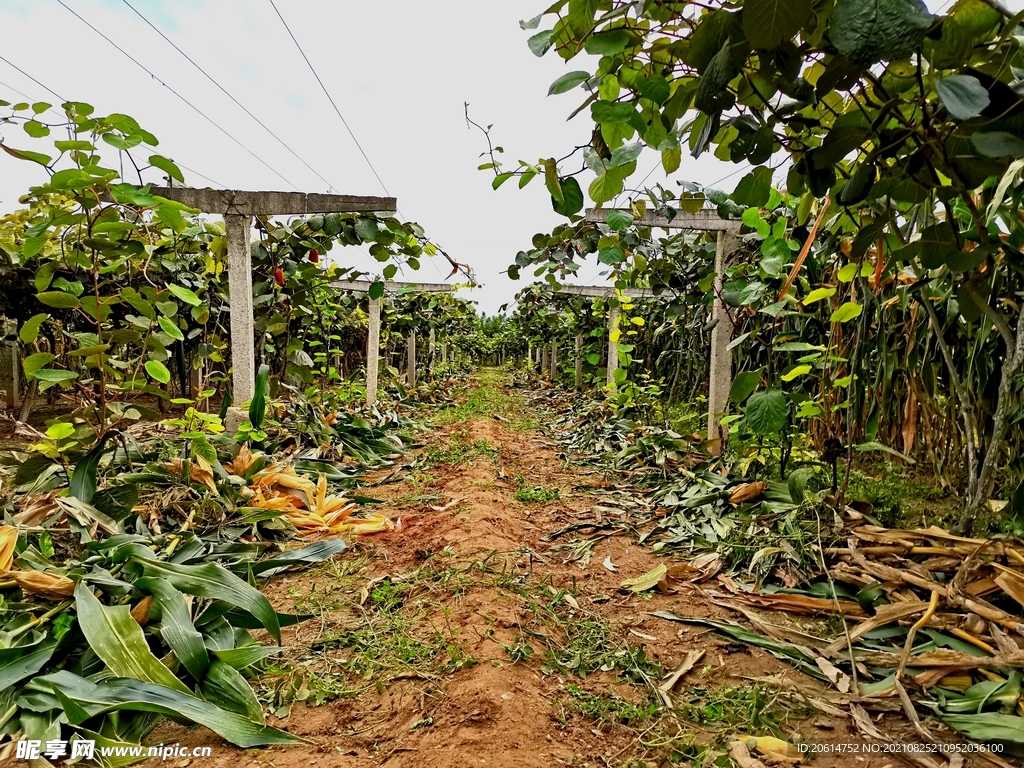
<point x="458" y="450"/>
<point x="756" y="708"/>
<point x="487" y="400"/>
<point x="610" y="707"/>
<point x="537" y="495"/>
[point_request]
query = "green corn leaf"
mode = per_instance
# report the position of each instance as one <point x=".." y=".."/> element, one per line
<point x="118" y="640"/>
<point x="313" y="553"/>
<point x="214" y="581"/>
<point x="23" y="661"/>
<point x="988" y="727"/>
<point x="176" y="626"/>
<point x="83" y="479"/>
<point x="258" y="404"/>
<point x="247" y="655"/>
<point x="225" y="687"/>
<point x="135" y="695"/>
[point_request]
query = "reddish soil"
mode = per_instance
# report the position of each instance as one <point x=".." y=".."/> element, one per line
<point x="495" y="712"/>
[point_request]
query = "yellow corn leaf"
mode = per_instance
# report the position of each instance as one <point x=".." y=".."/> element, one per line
<point x="241" y="463"/>
<point x="373" y="524"/>
<point x="141" y="611"/>
<point x="776" y="749"/>
<point x="8" y="538"/>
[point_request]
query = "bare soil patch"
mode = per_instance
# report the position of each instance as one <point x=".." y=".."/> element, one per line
<point x="417" y="651"/>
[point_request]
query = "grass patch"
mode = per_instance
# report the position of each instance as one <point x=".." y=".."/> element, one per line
<point x="575" y="641"/>
<point x="537" y="495"/>
<point x="894" y="498"/>
<point x="610" y="707"/>
<point x="397" y="636"/>
<point x="459" y="450"/>
<point x="756" y="708"/>
<point x="487" y="399"/>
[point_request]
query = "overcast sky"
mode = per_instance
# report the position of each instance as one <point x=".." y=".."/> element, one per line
<point x="399" y="72"/>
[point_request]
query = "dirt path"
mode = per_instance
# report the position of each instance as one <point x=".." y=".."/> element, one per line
<point x="465" y="639"/>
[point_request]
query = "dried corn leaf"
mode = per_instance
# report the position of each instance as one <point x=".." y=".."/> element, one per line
<point x="196" y="472"/>
<point x="36" y="509"/>
<point x="946" y="658"/>
<point x="1012" y="586"/>
<point x="747" y="492"/>
<point x="740" y="754"/>
<point x="48" y="585"/>
<point x="8" y="539"/>
<point x="884" y="614"/>
<point x="241" y="463"/>
<point x="798" y="603"/>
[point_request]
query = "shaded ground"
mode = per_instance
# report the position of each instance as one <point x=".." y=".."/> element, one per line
<point x="464" y="638"/>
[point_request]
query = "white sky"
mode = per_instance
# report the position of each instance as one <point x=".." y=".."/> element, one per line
<point x="399" y="73"/>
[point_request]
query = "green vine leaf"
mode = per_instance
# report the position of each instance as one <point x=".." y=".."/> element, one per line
<point x="568" y="82"/>
<point x="866" y="31"/>
<point x="767" y="412"/>
<point x="768" y="22"/>
<point x="963" y="95"/>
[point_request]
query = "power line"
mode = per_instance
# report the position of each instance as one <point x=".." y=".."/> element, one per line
<point x="196" y="109"/>
<point x="200" y="175"/>
<point x="223" y="90"/>
<point x="26" y="74"/>
<point x="329" y="98"/>
<point x="44" y="87"/>
<point x="338" y="112"/>
<point x="26" y="96"/>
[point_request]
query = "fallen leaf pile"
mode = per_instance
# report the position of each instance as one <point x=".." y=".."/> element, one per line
<point x="308" y="506"/>
<point x="932" y="625"/>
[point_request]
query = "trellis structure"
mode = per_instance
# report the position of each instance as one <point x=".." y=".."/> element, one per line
<point x="373" y="336"/>
<point x="720" y="374"/>
<point x="238" y="207"/>
<point x="598" y="291"/>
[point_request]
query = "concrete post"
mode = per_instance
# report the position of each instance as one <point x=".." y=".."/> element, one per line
<point x="554" y="361"/>
<point x="373" y="352"/>
<point x="243" y="344"/>
<point x="410" y="370"/>
<point x="613" y="345"/>
<point x="720" y="378"/>
<point x="544" y="357"/>
<point x="431" y="347"/>
<point x="579" y="361"/>
<point x="444" y="353"/>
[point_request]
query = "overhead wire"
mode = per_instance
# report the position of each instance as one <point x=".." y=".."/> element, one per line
<point x="196" y="109"/>
<point x="26" y="74"/>
<point x="51" y="109"/>
<point x="227" y="93"/>
<point x="344" y="122"/>
<point x="329" y="98"/>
